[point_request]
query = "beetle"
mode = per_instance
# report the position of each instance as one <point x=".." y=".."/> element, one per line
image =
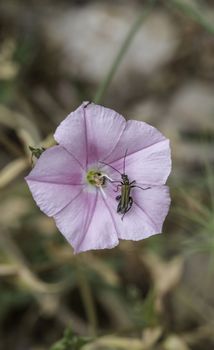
<point x="125" y="199"/>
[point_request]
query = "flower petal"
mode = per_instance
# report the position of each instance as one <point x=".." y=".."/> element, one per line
<point x="150" y="166"/>
<point x="148" y="157"/>
<point x="154" y="202"/>
<point x="146" y="216"/>
<point x="56" y="165"/>
<point x="55" y="180"/>
<point x="71" y="135"/>
<point x="90" y="133"/>
<point x="87" y="224"/>
<point x="136" y="136"/>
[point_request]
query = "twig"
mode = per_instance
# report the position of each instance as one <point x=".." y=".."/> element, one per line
<point x="121" y="53"/>
<point x="193" y="13"/>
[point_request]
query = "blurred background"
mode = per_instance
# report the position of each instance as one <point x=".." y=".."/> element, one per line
<point x="154" y="294"/>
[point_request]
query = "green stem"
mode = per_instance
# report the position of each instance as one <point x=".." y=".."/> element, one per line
<point x="210" y="181"/>
<point x="123" y="49"/>
<point x="87" y="298"/>
<point x="193" y="13"/>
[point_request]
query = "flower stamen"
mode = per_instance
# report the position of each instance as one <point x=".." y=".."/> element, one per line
<point x="96" y="178"/>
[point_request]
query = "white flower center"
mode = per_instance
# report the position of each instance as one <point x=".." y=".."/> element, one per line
<point x="96" y="178"/>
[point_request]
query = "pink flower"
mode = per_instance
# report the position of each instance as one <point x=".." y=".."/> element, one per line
<point x="70" y="183"/>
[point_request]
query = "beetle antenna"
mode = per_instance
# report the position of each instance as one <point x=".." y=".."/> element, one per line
<point x="111" y="167"/>
<point x="124" y="162"/>
<point x="146" y="188"/>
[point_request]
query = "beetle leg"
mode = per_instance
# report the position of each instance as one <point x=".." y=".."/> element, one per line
<point x="119" y="205"/>
<point x="117" y="188"/>
<point x="129" y="207"/>
<point x="130" y="204"/>
<point x="146" y="188"/>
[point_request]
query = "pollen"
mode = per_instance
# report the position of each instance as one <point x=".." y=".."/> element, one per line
<point x="95" y="178"/>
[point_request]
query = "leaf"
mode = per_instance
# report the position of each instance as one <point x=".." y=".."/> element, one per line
<point x="70" y="341"/>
